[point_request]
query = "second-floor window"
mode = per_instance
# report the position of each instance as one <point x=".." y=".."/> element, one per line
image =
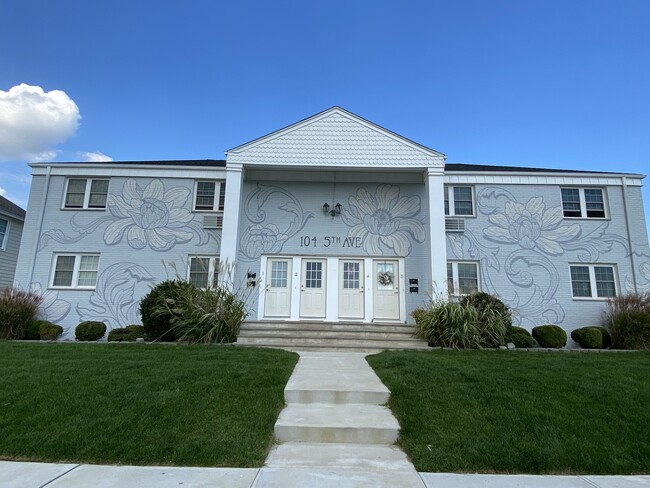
<point x="86" y="193"/>
<point x="459" y="201"/>
<point x="209" y="196"/>
<point x="585" y="203"/>
<point x="4" y="230"/>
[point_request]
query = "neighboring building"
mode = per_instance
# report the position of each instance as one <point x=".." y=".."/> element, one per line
<point x="12" y="218"/>
<point x="338" y="220"/>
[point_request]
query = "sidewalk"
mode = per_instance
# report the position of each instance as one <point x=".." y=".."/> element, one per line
<point x="334" y="432"/>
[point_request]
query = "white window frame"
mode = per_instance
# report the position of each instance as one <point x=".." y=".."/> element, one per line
<point x="592" y="280"/>
<point x="452" y="201"/>
<point x="583" y="202"/>
<point x="74" y="285"/>
<point x="219" y="191"/>
<point x="455" y="280"/>
<point x="213" y="267"/>
<point x="4" y="237"/>
<point x="86" y="202"/>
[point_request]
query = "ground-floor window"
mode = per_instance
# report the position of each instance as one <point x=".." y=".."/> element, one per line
<point x="203" y="271"/>
<point x="462" y="278"/>
<point x="75" y="271"/>
<point x="593" y="281"/>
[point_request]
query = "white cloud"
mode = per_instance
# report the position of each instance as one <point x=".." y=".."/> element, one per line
<point x="3" y="192"/>
<point x="94" y="157"/>
<point x="33" y="122"/>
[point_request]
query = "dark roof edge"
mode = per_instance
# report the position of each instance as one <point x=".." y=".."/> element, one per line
<point x="170" y="162"/>
<point x="485" y="168"/>
<point x="9" y="207"/>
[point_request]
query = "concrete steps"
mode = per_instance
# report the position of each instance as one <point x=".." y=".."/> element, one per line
<point x="329" y="336"/>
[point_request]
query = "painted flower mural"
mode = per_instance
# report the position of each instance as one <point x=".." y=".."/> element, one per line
<point x="258" y="240"/>
<point x="531" y="226"/>
<point x="149" y="216"/>
<point x="52" y="308"/>
<point x="384" y="220"/>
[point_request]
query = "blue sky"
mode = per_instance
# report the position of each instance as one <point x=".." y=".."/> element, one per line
<point x="561" y="84"/>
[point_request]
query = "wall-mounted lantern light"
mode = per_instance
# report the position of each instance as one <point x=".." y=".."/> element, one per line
<point x="335" y="211"/>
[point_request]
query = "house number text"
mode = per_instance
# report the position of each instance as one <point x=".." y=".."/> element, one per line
<point x="329" y="241"/>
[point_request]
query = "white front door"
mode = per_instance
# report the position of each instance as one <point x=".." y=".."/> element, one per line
<point x="313" y="288"/>
<point x="351" y="289"/>
<point x="277" y="302"/>
<point x="386" y="290"/>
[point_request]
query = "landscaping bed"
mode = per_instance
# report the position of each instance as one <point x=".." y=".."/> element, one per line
<point x="498" y="411"/>
<point x="141" y="404"/>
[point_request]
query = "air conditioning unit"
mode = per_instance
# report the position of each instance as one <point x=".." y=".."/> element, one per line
<point x="455" y="225"/>
<point x="212" y="221"/>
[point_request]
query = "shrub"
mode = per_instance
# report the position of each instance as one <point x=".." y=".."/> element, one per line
<point x="43" y="330"/>
<point x="457" y="325"/>
<point x="418" y="314"/>
<point x="525" y="341"/>
<point x="17" y="309"/>
<point x="213" y="315"/>
<point x="156" y="316"/>
<point x="588" y="337"/>
<point x="607" y="338"/>
<point x="126" y="334"/>
<point x="628" y="320"/>
<point x="90" y="331"/>
<point x="550" y="336"/>
<point x="518" y="330"/>
<point x="483" y="301"/>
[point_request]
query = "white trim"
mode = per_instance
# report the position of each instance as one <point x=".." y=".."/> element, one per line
<point x="592" y="280"/>
<point x="132" y="171"/>
<point x="218" y="189"/>
<point x="454" y="275"/>
<point x="75" y="271"/>
<point x="87" y="192"/>
<point x="437" y="238"/>
<point x="5" y="237"/>
<point x="451" y="193"/>
<point x="495" y="178"/>
<point x="583" y="202"/>
<point x="213" y="266"/>
<point x="230" y="227"/>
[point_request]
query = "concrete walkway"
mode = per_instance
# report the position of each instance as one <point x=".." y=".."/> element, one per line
<point x="334" y="432"/>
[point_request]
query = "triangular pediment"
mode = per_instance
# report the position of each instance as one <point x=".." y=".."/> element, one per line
<point x="335" y="138"/>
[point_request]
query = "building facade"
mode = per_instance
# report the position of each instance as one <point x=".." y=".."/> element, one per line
<point x="335" y="219"/>
<point x="12" y="218"/>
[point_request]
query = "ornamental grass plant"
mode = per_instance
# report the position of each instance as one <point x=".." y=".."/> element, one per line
<point x="628" y="320"/>
<point x="17" y="310"/>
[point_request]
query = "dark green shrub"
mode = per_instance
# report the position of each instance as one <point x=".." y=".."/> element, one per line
<point x="607" y="338"/>
<point x="588" y="337"/>
<point x="126" y="334"/>
<point x="213" y="315"/>
<point x="452" y="324"/>
<point x="43" y="330"/>
<point x="17" y="309"/>
<point x="483" y="301"/>
<point x="524" y="341"/>
<point x="628" y="320"/>
<point x="90" y="331"/>
<point x="518" y="330"/>
<point x="550" y="336"/>
<point x="156" y="316"/>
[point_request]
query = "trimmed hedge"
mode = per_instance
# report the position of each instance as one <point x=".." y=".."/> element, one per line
<point x="90" y="331"/>
<point x="518" y="330"/>
<point x="126" y="334"/>
<point x="588" y="337"/>
<point x="552" y="336"/>
<point x="156" y="317"/>
<point x="484" y="301"/>
<point x="523" y="341"/>
<point x="43" y="330"/>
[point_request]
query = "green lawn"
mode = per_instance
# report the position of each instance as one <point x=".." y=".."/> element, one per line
<point x="140" y="403"/>
<point x="481" y="411"/>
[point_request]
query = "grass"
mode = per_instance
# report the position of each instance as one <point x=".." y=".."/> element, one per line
<point x="481" y="411"/>
<point x="140" y="404"/>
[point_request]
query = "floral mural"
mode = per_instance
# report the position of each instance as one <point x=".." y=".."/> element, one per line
<point x="52" y="308"/>
<point x="384" y="220"/>
<point x="148" y="216"/>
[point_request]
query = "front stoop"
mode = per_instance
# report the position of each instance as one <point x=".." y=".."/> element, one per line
<point x="335" y="430"/>
<point x="330" y="336"/>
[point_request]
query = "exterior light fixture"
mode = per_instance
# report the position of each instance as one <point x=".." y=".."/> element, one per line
<point x="335" y="211"/>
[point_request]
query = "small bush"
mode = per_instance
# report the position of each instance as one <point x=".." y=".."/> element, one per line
<point x="17" y="309"/>
<point x="452" y="324"/>
<point x="518" y="330"/>
<point x="607" y="338"/>
<point x="524" y="341"/>
<point x="43" y="330"/>
<point x="628" y="320"/>
<point x="90" y="331"/>
<point x="418" y="314"/>
<point x="156" y="316"/>
<point x="588" y="337"/>
<point x="483" y="301"/>
<point x="550" y="336"/>
<point x="126" y="334"/>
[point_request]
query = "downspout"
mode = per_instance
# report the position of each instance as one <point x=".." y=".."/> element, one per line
<point x="39" y="225"/>
<point x="629" y="235"/>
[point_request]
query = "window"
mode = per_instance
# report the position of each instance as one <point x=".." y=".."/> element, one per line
<point x="4" y="230"/>
<point x="459" y="201"/>
<point x="203" y="271"/>
<point x="586" y="203"/>
<point x="279" y="273"/>
<point x="210" y="196"/>
<point x="462" y="278"/>
<point x="75" y="271"/>
<point x="86" y="193"/>
<point x="593" y="281"/>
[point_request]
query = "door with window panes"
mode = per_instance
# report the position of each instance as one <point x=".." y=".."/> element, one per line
<point x="313" y="288"/>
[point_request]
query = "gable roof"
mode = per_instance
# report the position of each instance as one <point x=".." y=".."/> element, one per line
<point x="7" y="207"/>
<point x="335" y="137"/>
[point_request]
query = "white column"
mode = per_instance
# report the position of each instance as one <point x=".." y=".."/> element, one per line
<point x="437" y="240"/>
<point x="230" y="231"/>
